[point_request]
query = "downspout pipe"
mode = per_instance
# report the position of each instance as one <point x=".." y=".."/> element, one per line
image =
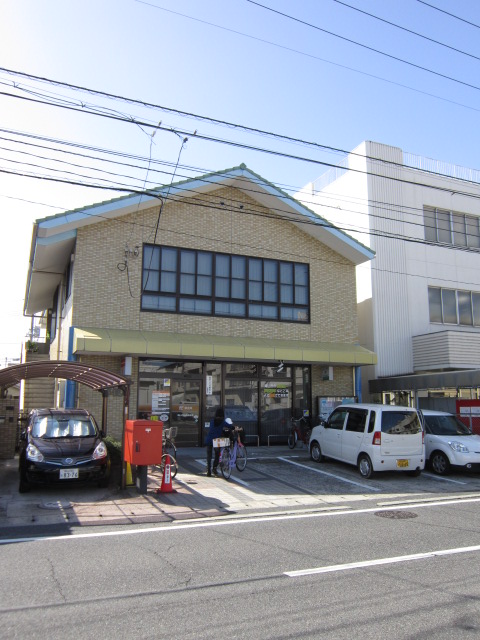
<point x="71" y="386"/>
<point x="358" y="383"/>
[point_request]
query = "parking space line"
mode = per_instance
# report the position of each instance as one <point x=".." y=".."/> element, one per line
<point x="330" y="475"/>
<point x="235" y="479"/>
<point x="435" y="477"/>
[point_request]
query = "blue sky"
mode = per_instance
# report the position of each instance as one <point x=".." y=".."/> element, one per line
<point x="230" y="60"/>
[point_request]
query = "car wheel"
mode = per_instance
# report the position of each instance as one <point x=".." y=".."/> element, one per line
<point x="316" y="452"/>
<point x="439" y="463"/>
<point x="365" y="467"/>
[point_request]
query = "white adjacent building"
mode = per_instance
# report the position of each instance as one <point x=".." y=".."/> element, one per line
<point x="419" y="299"/>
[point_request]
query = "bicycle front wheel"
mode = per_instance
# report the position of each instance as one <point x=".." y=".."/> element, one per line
<point x="292" y="440"/>
<point x="170" y="448"/>
<point x="173" y="465"/>
<point x="241" y="461"/>
<point x="225" y="467"/>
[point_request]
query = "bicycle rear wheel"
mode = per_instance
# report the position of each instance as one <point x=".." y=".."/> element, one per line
<point x="292" y="439"/>
<point x="225" y="467"/>
<point x="241" y="461"/>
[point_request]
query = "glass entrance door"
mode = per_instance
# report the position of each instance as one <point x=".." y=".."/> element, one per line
<point x="185" y="398"/>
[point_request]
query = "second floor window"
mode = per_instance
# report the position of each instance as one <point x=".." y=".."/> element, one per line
<point x="202" y="282"/>
<point x="452" y="306"/>
<point x="450" y="227"/>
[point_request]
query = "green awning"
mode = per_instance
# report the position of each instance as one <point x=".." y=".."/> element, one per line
<point x="90" y="341"/>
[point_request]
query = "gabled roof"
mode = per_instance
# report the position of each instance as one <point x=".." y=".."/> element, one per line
<point x="54" y="237"/>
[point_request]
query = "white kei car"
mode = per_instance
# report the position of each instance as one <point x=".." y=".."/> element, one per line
<point x="449" y="443"/>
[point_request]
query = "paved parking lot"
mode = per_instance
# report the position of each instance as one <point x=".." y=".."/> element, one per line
<point x="276" y="479"/>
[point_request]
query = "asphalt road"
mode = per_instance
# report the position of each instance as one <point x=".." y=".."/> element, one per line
<point x="409" y="571"/>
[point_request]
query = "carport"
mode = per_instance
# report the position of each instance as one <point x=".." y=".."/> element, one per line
<point x="98" y="379"/>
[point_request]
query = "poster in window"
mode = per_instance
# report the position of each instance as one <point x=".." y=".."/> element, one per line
<point x="161" y="405"/>
<point x="275" y="391"/>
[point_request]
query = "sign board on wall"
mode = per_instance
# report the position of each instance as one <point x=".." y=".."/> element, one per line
<point x="469" y="413"/>
<point x="161" y="405"/>
<point x="326" y="404"/>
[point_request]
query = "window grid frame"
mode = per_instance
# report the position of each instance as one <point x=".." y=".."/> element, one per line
<point x="295" y="310"/>
<point x="469" y="222"/>
<point x="475" y="320"/>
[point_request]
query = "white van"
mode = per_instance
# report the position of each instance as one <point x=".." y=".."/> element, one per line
<point x="373" y="437"/>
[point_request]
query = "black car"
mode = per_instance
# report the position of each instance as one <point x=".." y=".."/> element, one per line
<point x="62" y="445"/>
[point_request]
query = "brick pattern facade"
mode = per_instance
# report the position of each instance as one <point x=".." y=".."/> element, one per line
<point x="227" y="221"/>
<point x="39" y="392"/>
<point x="107" y="297"/>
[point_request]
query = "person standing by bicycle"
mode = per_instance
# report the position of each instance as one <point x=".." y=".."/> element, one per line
<point x="216" y="430"/>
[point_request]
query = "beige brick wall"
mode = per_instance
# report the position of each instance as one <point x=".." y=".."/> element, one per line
<point x="107" y="297"/>
<point x="38" y="392"/>
<point x="93" y="400"/>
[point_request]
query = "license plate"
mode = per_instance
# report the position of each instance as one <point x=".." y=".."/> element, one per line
<point x="68" y="474"/>
<point x="402" y="463"/>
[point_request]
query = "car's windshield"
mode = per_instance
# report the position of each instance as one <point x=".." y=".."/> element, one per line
<point x="446" y="426"/>
<point x="63" y="427"/>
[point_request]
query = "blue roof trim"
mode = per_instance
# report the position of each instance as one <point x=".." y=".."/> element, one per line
<point x="59" y="237"/>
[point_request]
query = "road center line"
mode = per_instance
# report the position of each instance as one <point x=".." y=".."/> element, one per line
<point x="381" y="561"/>
<point x="331" y="475"/>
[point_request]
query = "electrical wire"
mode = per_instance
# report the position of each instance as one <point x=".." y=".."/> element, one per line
<point x="365" y="46"/>
<point x="252" y="191"/>
<point x="415" y="33"/>
<point x="131" y="120"/>
<point x="449" y="14"/>
<point x="309" y="55"/>
<point x="198" y="117"/>
<point x="318" y="222"/>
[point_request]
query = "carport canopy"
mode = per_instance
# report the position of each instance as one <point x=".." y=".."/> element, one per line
<point x="93" y="377"/>
<point x="99" y="379"/>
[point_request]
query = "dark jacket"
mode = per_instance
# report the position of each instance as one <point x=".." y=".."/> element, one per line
<point x="215" y="430"/>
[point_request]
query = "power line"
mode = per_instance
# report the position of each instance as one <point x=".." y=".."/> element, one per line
<point x="204" y="178"/>
<point x="309" y="55"/>
<point x="252" y="190"/>
<point x="198" y="117"/>
<point x="449" y="14"/>
<point x="365" y="46"/>
<point x="277" y="214"/>
<point x="415" y="33"/>
<point x="378" y="204"/>
<point x="182" y="132"/>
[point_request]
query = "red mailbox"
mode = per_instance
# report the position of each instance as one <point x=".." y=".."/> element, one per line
<point x="143" y="442"/>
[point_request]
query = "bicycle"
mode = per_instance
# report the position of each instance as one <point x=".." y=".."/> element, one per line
<point x="168" y="442"/>
<point x="233" y="453"/>
<point x="300" y="430"/>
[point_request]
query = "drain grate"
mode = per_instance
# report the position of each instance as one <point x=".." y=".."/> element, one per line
<point x="396" y="515"/>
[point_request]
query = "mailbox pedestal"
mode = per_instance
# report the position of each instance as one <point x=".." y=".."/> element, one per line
<point x="143" y="447"/>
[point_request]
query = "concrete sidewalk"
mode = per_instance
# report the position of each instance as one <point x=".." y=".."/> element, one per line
<point x="194" y="496"/>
